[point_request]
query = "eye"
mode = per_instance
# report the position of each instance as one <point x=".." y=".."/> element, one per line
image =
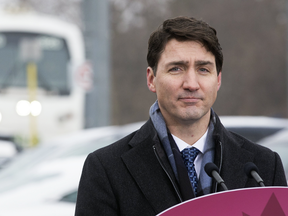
<point x="175" y="69"/>
<point x="204" y="70"/>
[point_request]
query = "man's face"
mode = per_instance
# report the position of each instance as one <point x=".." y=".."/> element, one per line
<point x="186" y="82"/>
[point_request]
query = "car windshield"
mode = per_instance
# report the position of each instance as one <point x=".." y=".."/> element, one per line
<point x="50" y="54"/>
<point x="254" y="133"/>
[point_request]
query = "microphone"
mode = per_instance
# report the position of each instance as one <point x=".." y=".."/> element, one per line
<point x="212" y="170"/>
<point x="251" y="171"/>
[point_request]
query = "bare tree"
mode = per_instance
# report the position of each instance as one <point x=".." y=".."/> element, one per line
<point x="252" y="34"/>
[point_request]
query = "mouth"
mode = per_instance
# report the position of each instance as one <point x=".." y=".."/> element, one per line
<point x="190" y="99"/>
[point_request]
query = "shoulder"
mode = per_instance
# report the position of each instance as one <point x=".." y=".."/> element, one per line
<point x="238" y="150"/>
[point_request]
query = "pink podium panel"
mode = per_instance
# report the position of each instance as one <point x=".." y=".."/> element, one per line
<point x="262" y="201"/>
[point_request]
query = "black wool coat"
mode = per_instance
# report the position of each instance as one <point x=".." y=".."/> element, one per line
<point x="133" y="176"/>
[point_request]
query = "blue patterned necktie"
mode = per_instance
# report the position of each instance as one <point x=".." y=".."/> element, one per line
<point x="189" y="155"/>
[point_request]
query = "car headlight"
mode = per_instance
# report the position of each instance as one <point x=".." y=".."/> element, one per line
<point x="24" y="108"/>
<point x="35" y="108"/>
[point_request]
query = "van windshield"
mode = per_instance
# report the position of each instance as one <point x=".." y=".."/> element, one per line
<point x="49" y="53"/>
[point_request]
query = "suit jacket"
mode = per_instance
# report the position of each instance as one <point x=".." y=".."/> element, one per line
<point x="134" y="177"/>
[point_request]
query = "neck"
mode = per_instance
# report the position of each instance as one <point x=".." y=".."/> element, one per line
<point x="190" y="132"/>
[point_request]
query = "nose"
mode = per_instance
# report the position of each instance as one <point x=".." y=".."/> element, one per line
<point x="190" y="81"/>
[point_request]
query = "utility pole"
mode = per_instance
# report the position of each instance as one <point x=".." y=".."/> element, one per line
<point x="95" y="15"/>
<point x="31" y="53"/>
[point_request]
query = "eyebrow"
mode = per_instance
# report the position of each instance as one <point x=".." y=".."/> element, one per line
<point x="177" y="63"/>
<point x="203" y="63"/>
<point x="197" y="63"/>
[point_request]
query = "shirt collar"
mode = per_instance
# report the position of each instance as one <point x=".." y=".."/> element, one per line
<point x="199" y="144"/>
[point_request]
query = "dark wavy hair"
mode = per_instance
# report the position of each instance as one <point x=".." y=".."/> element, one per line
<point x="183" y="29"/>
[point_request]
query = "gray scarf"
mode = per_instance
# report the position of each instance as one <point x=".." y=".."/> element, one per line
<point x="160" y="126"/>
<point x="208" y="154"/>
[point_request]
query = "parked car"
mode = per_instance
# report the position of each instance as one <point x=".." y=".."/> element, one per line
<point x="254" y="128"/>
<point x="42" y="193"/>
<point x="43" y="181"/>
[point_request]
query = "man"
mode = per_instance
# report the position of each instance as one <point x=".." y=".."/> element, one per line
<point x="148" y="171"/>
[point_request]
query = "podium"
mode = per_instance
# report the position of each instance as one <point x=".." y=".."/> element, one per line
<point x="261" y="201"/>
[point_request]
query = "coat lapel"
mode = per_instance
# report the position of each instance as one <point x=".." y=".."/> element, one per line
<point x="144" y="167"/>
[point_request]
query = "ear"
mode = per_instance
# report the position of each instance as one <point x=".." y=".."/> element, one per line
<point x="151" y="79"/>
<point x="219" y="80"/>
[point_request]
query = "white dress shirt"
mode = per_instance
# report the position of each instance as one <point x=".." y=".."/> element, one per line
<point x="199" y="145"/>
